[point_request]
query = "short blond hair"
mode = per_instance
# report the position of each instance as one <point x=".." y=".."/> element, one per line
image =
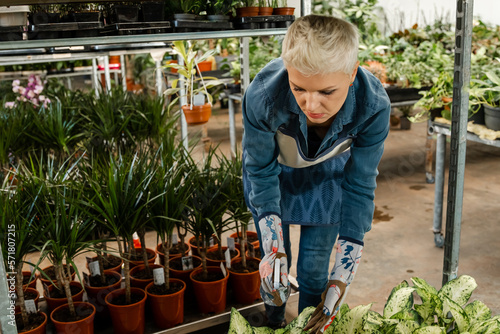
<point x="317" y="44"/>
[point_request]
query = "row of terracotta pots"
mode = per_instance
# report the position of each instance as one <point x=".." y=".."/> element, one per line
<point x="263" y="11"/>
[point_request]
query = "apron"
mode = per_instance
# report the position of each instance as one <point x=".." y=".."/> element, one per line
<point x="310" y="188"/>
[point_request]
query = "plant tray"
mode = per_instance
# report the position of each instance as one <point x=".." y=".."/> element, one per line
<point x="65" y="30"/>
<point x="263" y="22"/>
<point x="135" y="28"/>
<point x="200" y="25"/>
<point x="398" y="94"/>
<point x="12" y="33"/>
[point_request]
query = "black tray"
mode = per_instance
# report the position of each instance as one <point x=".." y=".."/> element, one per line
<point x="398" y="94"/>
<point x="200" y="25"/>
<point x="134" y="28"/>
<point x="12" y="33"/>
<point x="263" y="22"/>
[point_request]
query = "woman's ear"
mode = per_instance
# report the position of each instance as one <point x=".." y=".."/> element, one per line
<point x="355" y="71"/>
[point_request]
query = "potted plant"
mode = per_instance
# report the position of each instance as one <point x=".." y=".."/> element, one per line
<point x="281" y="8"/>
<point x="265" y="7"/>
<point x="166" y="295"/>
<point x="123" y="12"/>
<point x="44" y="14"/>
<point x="208" y="204"/>
<point x="245" y="277"/>
<point x="193" y="89"/>
<point x="247" y="8"/>
<point x="486" y="90"/>
<point x="21" y="231"/>
<point x="189" y="8"/>
<point x="218" y="10"/>
<point x="66" y="237"/>
<point x="85" y="12"/>
<point x="152" y="11"/>
<point x="120" y="202"/>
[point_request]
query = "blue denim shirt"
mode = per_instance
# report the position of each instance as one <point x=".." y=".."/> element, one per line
<point x="268" y="104"/>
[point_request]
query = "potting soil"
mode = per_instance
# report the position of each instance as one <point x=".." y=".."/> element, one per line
<point x="63" y="315"/>
<point x="34" y="320"/>
<point x="56" y="293"/>
<point x="252" y="266"/>
<point x="95" y="281"/>
<point x="211" y="276"/>
<point x="162" y="290"/>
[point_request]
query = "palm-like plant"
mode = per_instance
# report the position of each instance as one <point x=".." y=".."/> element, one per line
<point x="19" y="227"/>
<point x="208" y="204"/>
<point x="120" y="202"/>
<point x="58" y="209"/>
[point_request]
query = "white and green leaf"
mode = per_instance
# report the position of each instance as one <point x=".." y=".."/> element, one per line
<point x="238" y="324"/>
<point x="477" y="311"/>
<point x="399" y="300"/>
<point x="459" y="289"/>
<point x="458" y="313"/>
<point x="352" y="322"/>
<point x="430" y="330"/>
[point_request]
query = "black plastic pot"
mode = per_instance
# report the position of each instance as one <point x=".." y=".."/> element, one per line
<point x="85" y="16"/>
<point x="124" y="13"/>
<point x="492" y="117"/>
<point x="152" y="11"/>
<point x="44" y="18"/>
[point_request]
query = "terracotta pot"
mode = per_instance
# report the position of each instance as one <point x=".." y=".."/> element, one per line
<point x="247" y="11"/>
<point x="47" y="282"/>
<point x="205" y="66"/>
<point x="97" y="294"/>
<point x="184" y="274"/>
<point x="216" y="263"/>
<point x="31" y="284"/>
<point x="211" y="296"/>
<point x="151" y="258"/>
<point x="52" y="303"/>
<point x="38" y="330"/>
<point x="117" y="268"/>
<point x="447" y="101"/>
<point x="249" y="234"/>
<point x="127" y="319"/>
<point x="265" y="11"/>
<point x="246" y="286"/>
<point x="173" y="70"/>
<point x="83" y="326"/>
<point x="197" y="114"/>
<point x="283" y="11"/>
<point x="168" y="310"/>
<point x="29" y="290"/>
<point x="194" y="248"/>
<point x="161" y="256"/>
<point x="141" y="283"/>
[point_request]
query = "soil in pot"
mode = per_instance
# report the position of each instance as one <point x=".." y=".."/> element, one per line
<point x="174" y="251"/>
<point x="50" y="271"/>
<point x="35" y="320"/>
<point x="56" y="293"/>
<point x="162" y="290"/>
<point x="111" y="262"/>
<point x="137" y="258"/>
<point x="121" y="299"/>
<point x="96" y="281"/>
<point x="252" y="237"/>
<point x="57" y="297"/>
<point x="63" y="314"/>
<point x="66" y="323"/>
<point x="252" y="266"/>
<point x="29" y="294"/>
<point x="176" y="263"/>
<point x="245" y="282"/>
<point x="26" y="279"/>
<point x="140" y="277"/>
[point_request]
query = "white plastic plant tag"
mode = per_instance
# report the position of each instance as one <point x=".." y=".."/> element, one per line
<point x="174" y="239"/>
<point x="159" y="276"/>
<point x="199" y="99"/>
<point x="230" y="243"/>
<point x="30" y="306"/>
<point x="32" y="267"/>
<point x="277" y="271"/>
<point x="227" y="254"/>
<point x="187" y="263"/>
<point x="211" y="242"/>
<point x="94" y="268"/>
<point x="223" y="269"/>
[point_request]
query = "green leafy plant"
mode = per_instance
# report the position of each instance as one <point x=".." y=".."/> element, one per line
<point x="220" y="7"/>
<point x="190" y="6"/>
<point x="188" y="82"/>
<point x="443" y="311"/>
<point x="486" y="89"/>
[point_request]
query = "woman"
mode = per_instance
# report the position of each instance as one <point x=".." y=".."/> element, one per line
<point x="315" y="125"/>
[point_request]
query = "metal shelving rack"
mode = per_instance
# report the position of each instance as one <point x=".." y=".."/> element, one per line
<point x="81" y="48"/>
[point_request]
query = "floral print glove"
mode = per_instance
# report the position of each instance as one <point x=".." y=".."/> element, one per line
<point x="346" y="263"/>
<point x="273" y="268"/>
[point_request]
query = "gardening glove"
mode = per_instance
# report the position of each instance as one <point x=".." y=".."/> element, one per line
<point x="346" y="263"/>
<point x="274" y="262"/>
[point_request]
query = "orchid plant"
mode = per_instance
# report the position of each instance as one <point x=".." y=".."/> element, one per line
<point x="32" y="93"/>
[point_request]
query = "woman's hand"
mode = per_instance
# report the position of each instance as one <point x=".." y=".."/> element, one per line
<point x="346" y="264"/>
<point x="273" y="267"/>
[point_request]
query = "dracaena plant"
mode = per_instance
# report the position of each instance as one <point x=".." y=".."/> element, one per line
<point x="188" y="84"/>
<point x="20" y="229"/>
<point x="120" y="202"/>
<point x="59" y="210"/>
<point x="237" y="208"/>
<point x="207" y="203"/>
<point x="173" y="192"/>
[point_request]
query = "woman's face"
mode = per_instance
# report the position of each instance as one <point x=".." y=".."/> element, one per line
<point x="320" y="96"/>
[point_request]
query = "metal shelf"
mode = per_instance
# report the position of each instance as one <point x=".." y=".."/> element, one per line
<point x="128" y="39"/>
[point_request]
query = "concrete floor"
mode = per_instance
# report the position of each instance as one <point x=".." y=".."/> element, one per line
<point x="401" y="243"/>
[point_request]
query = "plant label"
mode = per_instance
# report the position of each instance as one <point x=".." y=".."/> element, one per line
<point x="94" y="268"/>
<point x="211" y="242"/>
<point x="230" y="243"/>
<point x="223" y="269"/>
<point x="30" y="306"/>
<point x="199" y="99"/>
<point x="174" y="239"/>
<point x="187" y="263"/>
<point x="159" y="276"/>
<point x="227" y="254"/>
<point x="86" y="279"/>
<point x="277" y="271"/>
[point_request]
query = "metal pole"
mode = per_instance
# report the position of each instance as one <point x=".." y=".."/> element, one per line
<point x="244" y="61"/>
<point x="123" y="69"/>
<point x="159" y="78"/>
<point x="439" y="189"/>
<point x="107" y="77"/>
<point x="183" y="101"/>
<point x="7" y="317"/>
<point x="305" y="7"/>
<point x="95" y="78"/>
<point x="460" y="107"/>
<point x="232" y="128"/>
